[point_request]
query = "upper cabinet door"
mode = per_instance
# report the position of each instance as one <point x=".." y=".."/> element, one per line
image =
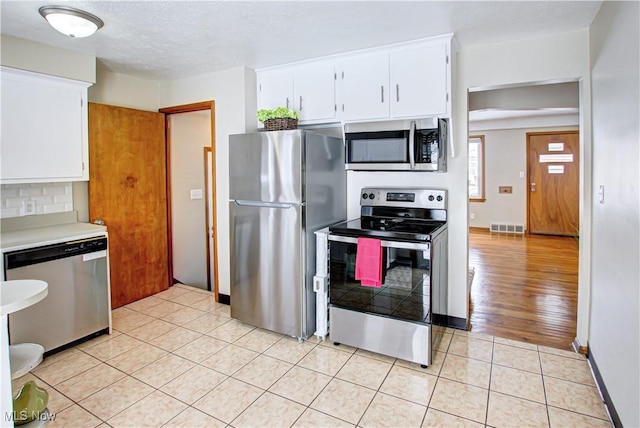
<point x="365" y="87"/>
<point x="419" y="81"/>
<point x="44" y="129"/>
<point x="314" y="92"/>
<point x="275" y="89"/>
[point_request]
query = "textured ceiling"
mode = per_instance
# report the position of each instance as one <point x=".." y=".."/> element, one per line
<point x="175" y="39"/>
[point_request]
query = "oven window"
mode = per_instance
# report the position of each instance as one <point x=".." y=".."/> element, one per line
<point x="383" y="150"/>
<point x="405" y="291"/>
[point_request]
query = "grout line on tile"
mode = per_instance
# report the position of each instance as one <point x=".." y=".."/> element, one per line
<point x="332" y="378"/>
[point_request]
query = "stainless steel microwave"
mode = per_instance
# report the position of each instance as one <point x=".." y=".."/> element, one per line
<point x="401" y="150"/>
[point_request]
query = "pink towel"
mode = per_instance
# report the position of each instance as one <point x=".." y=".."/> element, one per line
<point x="369" y="262"/>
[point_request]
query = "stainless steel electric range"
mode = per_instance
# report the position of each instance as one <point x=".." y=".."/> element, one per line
<point x="395" y="318"/>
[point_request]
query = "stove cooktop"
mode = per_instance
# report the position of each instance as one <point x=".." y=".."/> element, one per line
<point x="390" y="228"/>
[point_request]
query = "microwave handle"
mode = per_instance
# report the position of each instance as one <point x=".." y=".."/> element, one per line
<point x="412" y="144"/>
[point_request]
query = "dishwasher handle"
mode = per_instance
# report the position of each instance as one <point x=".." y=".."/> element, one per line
<point x="47" y="253"/>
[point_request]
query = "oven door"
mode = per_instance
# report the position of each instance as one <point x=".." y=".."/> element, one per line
<point x="405" y="293"/>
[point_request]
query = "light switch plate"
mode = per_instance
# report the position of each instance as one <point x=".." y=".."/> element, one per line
<point x="196" y="194"/>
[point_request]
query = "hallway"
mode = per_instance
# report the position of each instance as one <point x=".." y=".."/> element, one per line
<point x="525" y="287"/>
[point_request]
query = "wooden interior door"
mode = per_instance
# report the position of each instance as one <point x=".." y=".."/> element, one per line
<point x="553" y="172"/>
<point x="127" y="189"/>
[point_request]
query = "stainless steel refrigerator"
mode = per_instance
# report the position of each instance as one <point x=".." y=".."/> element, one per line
<point x="283" y="186"/>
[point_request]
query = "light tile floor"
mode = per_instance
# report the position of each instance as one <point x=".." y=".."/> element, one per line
<point x="177" y="359"/>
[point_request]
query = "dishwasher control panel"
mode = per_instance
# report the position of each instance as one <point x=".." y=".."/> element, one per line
<point x="45" y="253"/>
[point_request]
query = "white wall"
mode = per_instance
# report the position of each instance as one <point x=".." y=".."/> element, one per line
<point x="505" y="158"/>
<point x="232" y="90"/>
<point x="32" y="56"/>
<point x="563" y="56"/>
<point x="124" y="91"/>
<point x="190" y="133"/>
<point x="614" y="340"/>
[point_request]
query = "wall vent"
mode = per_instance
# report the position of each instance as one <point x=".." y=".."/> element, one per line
<point x="506" y="228"/>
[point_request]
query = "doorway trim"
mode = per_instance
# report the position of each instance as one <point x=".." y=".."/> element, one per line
<point x="586" y="186"/>
<point x="186" y="108"/>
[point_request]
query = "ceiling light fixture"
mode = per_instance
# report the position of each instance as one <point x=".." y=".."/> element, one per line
<point x="70" y="21"/>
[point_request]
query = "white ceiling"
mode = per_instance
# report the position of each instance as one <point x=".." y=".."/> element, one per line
<point x="175" y="39"/>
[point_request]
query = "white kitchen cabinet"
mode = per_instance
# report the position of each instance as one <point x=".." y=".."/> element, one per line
<point x="418" y="78"/>
<point x="404" y="82"/>
<point x="365" y="87"/>
<point x="309" y="89"/>
<point x="275" y="89"/>
<point x="44" y="128"/>
<point x="314" y="91"/>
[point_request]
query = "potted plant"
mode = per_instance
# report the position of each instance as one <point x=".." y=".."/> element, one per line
<point x="278" y="119"/>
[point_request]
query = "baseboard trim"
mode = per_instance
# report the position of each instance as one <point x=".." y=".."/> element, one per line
<point x="448" y="321"/>
<point x="584" y="350"/>
<point x="478" y="229"/>
<point x="611" y="410"/>
<point x="224" y="299"/>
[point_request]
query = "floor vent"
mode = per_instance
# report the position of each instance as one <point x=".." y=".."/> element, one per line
<point x="507" y="228"/>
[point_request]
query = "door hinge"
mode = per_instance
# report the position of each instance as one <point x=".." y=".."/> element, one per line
<point x="260" y="87"/>
<point x="335" y="107"/>
<point x="83" y="166"/>
<point x="447" y="59"/>
<point x="335" y="76"/>
<point x="447" y="97"/>
<point x="343" y="75"/>
<point x="81" y="102"/>
<point x="342" y="107"/>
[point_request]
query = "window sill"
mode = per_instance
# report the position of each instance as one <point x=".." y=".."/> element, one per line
<point x="477" y="199"/>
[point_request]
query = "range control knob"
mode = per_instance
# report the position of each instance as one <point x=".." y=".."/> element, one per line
<point x="439" y="198"/>
<point x="371" y="196"/>
<point x="431" y="197"/>
<point x="365" y="196"/>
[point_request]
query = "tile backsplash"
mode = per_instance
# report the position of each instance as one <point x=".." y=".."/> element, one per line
<point x="48" y="198"/>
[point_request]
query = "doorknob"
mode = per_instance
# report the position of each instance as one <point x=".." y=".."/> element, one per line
<point x="533" y="187"/>
<point x="99" y="222"/>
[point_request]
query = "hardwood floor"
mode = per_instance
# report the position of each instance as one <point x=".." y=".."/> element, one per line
<point x="525" y="287"/>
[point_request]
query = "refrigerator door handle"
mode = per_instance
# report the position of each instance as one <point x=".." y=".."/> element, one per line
<point x="283" y="205"/>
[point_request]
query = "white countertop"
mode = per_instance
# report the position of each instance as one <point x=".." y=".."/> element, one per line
<point x="21" y="293"/>
<point x="45" y="235"/>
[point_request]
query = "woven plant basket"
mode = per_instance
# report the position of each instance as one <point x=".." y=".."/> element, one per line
<point x="280" y="124"/>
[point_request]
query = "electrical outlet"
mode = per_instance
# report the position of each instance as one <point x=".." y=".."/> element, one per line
<point x="472" y="216"/>
<point x="28" y="207"/>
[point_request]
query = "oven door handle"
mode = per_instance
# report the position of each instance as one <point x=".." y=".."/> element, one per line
<point x="393" y="244"/>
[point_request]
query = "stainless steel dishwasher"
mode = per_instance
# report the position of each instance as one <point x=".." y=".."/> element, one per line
<point x="77" y="305"/>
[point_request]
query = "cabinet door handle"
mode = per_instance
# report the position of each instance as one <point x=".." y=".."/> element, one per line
<point x="397" y="92"/>
<point x="382" y="93"/>
<point x="287" y="102"/>
<point x="300" y="102"/>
